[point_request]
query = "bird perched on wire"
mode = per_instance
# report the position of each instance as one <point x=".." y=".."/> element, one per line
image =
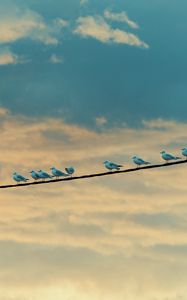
<point x="167" y="157"/>
<point x="139" y="161"/>
<point x="184" y="152"/>
<point x="35" y="175"/>
<point x="111" y="166"/>
<point x="19" y="178"/>
<point x="57" y="173"/>
<point x="44" y="175"/>
<point x="70" y="170"/>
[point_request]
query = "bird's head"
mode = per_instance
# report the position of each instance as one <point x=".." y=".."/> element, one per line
<point x="14" y="173"/>
<point x="184" y="149"/>
<point x="134" y="157"/>
<point x="162" y="152"/>
<point x="105" y="162"/>
<point x="52" y="168"/>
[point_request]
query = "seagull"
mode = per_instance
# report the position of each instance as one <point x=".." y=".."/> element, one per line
<point x="57" y="173"/>
<point x="19" y="178"/>
<point x="184" y="152"/>
<point x="44" y="175"/>
<point x="111" y="166"/>
<point x="70" y="170"/>
<point x="35" y="175"/>
<point x="167" y="157"/>
<point x="139" y="161"/>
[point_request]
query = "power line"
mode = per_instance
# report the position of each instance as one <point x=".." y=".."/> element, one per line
<point x="94" y="175"/>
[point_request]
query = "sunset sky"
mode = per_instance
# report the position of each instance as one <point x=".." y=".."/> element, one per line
<point x="83" y="81"/>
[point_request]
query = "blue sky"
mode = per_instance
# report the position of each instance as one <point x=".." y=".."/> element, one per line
<point x="123" y="83"/>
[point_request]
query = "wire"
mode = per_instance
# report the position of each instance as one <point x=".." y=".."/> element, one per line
<point x="94" y="175"/>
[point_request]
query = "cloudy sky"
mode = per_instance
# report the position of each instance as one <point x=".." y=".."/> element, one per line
<point x="82" y="81"/>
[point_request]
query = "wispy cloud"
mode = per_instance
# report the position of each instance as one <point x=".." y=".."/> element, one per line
<point x="124" y="218"/>
<point x="120" y="17"/>
<point x="61" y="23"/>
<point x="19" y="24"/>
<point x="82" y="2"/>
<point x="7" y="57"/>
<point x="96" y="27"/>
<point x="56" y="59"/>
<point x="100" y="121"/>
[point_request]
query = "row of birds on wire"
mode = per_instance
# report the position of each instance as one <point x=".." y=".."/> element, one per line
<point x="110" y="166"/>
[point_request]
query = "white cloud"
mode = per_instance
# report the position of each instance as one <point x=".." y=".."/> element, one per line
<point x="120" y="17"/>
<point x="82" y="2"/>
<point x="7" y="58"/>
<point x="4" y="112"/>
<point x="56" y="59"/>
<point x="100" y="121"/>
<point x="19" y="24"/>
<point x="96" y="27"/>
<point x="61" y="22"/>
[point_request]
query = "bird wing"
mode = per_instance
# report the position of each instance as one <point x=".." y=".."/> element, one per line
<point x="45" y="174"/>
<point x="169" y="156"/>
<point x="20" y="177"/>
<point x="141" y="161"/>
<point x="113" y="165"/>
<point x="58" y="173"/>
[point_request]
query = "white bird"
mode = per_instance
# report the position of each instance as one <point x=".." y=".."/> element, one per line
<point x="19" y="178"/>
<point x="111" y="166"/>
<point x="167" y="157"/>
<point x="44" y="175"/>
<point x="139" y="161"/>
<point x="184" y="152"/>
<point x="35" y="175"/>
<point x="57" y="173"/>
<point x="70" y="170"/>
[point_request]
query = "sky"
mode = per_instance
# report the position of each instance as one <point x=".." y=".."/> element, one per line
<point x="82" y="81"/>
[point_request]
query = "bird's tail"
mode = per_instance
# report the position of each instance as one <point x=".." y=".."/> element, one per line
<point x="147" y="163"/>
<point x="26" y="179"/>
<point x="177" y="157"/>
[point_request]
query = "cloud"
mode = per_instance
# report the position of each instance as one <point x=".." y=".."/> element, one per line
<point x="4" y="112"/>
<point x="100" y="121"/>
<point x="55" y="59"/>
<point x="19" y="24"/>
<point x="7" y="57"/>
<point x="61" y="22"/>
<point x="82" y="2"/>
<point x="60" y="234"/>
<point x="96" y="27"/>
<point x="120" y="17"/>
